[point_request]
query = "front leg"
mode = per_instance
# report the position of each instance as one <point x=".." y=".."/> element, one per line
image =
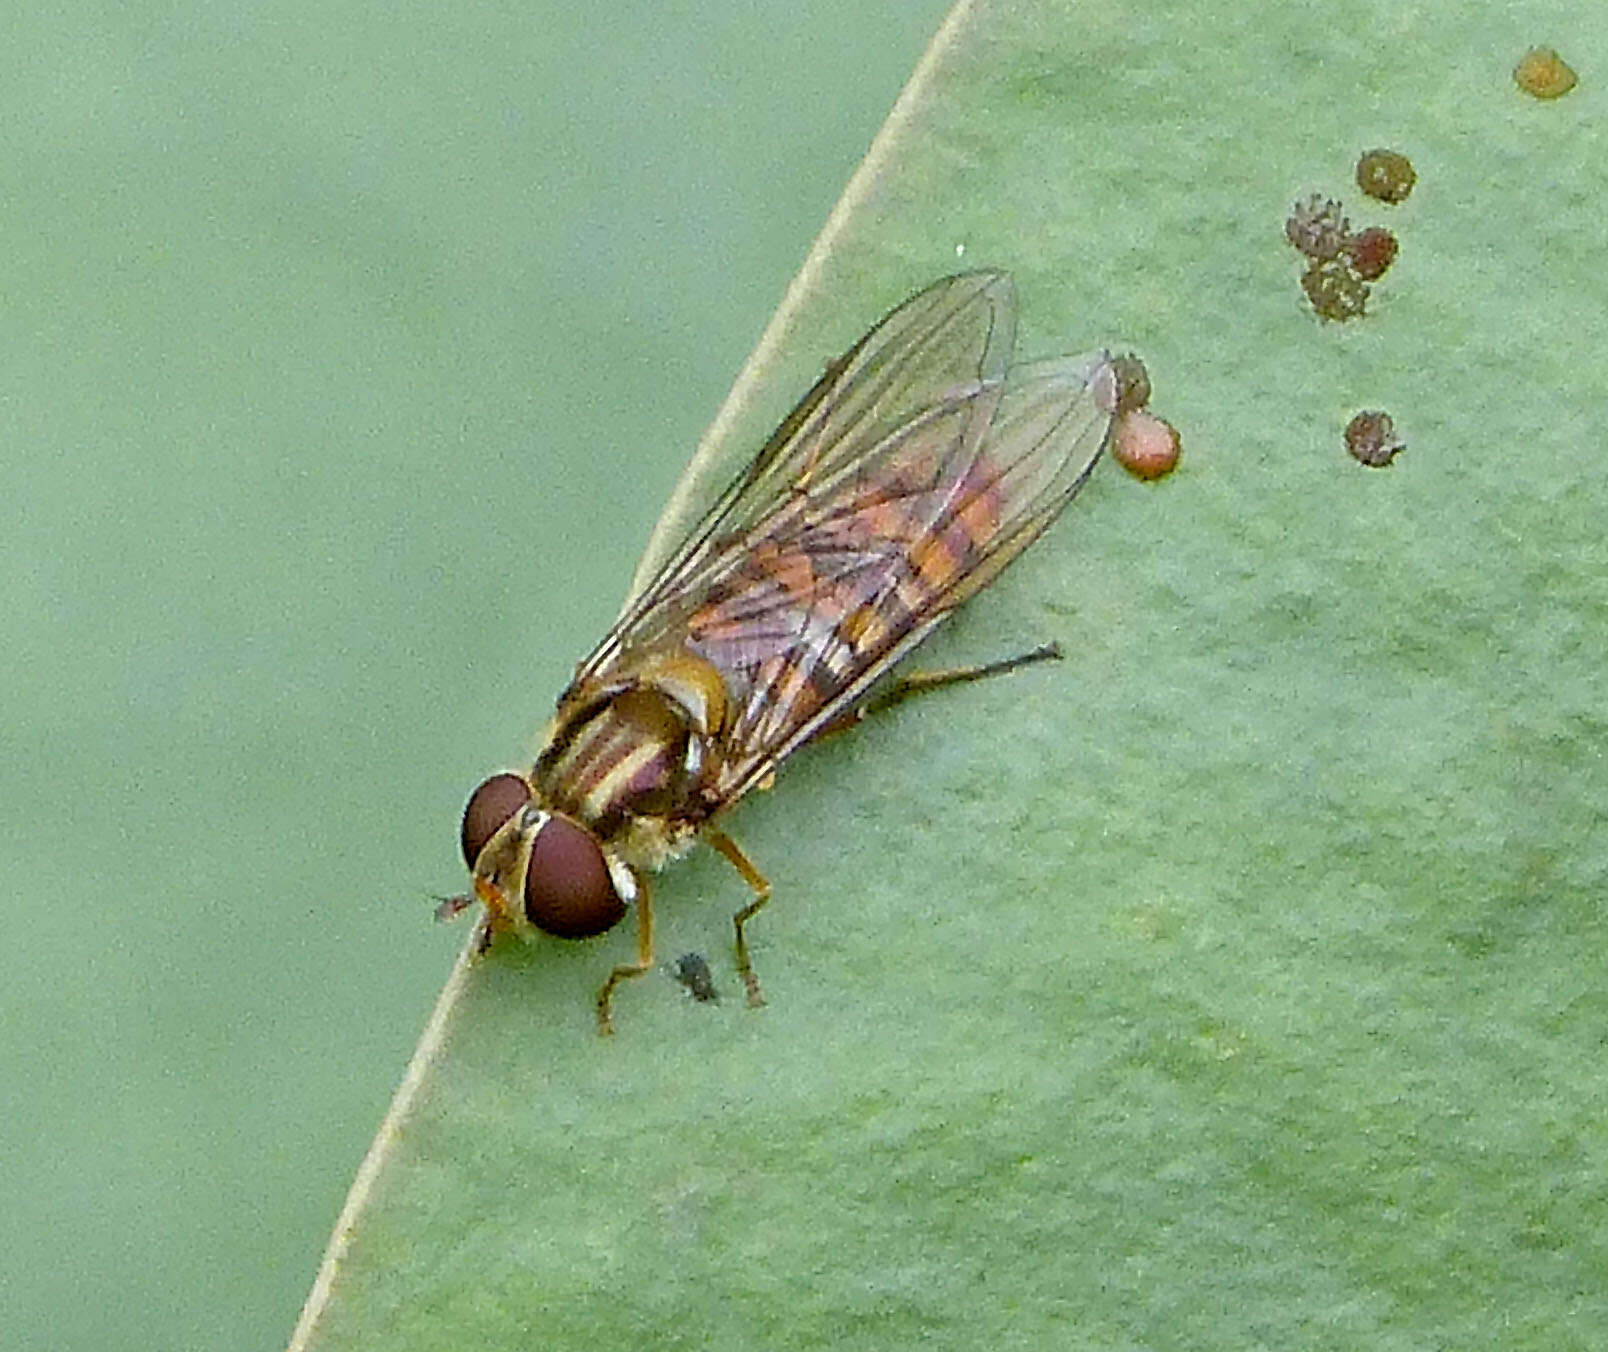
<point x="624" y="972"/>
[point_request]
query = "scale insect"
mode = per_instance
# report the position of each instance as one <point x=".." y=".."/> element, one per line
<point x="917" y="467"/>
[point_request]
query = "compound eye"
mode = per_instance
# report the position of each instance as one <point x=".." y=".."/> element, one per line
<point x="492" y="804"/>
<point x="568" y="891"/>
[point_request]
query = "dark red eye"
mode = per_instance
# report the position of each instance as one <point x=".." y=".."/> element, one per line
<point x="568" y="891"/>
<point x="493" y="803"/>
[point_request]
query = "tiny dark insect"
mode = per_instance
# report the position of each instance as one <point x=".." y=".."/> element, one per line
<point x="913" y="472"/>
<point x="1371" y="439"/>
<point x="692" y="971"/>
<point x="1386" y="175"/>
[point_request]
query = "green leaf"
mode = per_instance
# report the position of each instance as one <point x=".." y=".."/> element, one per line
<point x="1233" y="983"/>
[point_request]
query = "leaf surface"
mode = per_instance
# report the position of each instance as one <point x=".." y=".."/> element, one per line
<point x="1235" y="982"/>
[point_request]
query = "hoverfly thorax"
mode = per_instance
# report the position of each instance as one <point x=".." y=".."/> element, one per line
<point x="638" y="746"/>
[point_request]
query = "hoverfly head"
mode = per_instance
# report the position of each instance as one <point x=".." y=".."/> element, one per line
<point x="566" y="890"/>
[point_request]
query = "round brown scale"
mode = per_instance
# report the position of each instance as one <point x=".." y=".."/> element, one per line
<point x="1334" y="290"/>
<point x="1371" y="252"/>
<point x="1371" y="439"/>
<point x="1543" y="74"/>
<point x="1385" y="175"/>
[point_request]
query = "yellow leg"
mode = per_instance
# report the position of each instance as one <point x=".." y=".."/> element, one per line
<point x="644" y="962"/>
<point x="762" y="893"/>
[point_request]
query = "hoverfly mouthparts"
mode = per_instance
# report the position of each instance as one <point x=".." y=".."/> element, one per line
<point x="568" y="892"/>
<point x="917" y="467"/>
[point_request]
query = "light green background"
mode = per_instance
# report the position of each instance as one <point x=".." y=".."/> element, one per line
<point x="349" y="353"/>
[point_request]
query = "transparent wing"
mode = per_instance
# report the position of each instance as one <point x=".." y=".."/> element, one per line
<point x="826" y="595"/>
<point x="941" y="354"/>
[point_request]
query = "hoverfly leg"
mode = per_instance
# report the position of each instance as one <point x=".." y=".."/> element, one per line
<point x="624" y="972"/>
<point x="920" y="682"/>
<point x="762" y="893"/>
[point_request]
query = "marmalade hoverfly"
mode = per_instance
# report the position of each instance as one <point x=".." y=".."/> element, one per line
<point x="920" y="464"/>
